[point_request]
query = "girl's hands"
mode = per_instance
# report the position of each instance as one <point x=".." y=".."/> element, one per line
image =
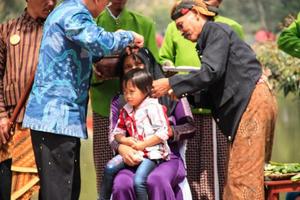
<point x="139" y="146"/>
<point x="129" y="141"/>
<point x="129" y="155"/>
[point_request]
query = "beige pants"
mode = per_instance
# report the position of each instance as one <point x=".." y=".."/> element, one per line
<point x="252" y="146"/>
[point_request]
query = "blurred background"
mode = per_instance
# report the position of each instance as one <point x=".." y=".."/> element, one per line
<point x="252" y="14"/>
<point x="256" y="17"/>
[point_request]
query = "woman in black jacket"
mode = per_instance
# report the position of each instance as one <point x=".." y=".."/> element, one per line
<point x="241" y="101"/>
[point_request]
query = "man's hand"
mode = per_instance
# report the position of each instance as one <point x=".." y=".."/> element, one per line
<point x="138" y="40"/>
<point x="160" y="87"/>
<point x="4" y="131"/>
<point x="129" y="155"/>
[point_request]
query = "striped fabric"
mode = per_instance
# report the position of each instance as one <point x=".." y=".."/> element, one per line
<point x="18" y="58"/>
<point x="19" y="47"/>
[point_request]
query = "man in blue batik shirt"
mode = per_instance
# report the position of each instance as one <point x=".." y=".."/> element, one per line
<point x="57" y="105"/>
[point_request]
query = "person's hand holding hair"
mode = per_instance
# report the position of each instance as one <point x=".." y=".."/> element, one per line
<point x="160" y="87"/>
<point x="138" y="40"/>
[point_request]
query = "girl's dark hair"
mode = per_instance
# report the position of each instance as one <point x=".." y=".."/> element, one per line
<point x="140" y="78"/>
<point x="146" y="57"/>
<point x="152" y="67"/>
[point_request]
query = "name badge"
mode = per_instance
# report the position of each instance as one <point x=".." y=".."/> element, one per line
<point x="14" y="39"/>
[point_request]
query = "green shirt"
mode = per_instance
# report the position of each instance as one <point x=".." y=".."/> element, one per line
<point x="103" y="91"/>
<point x="182" y="52"/>
<point x="289" y="39"/>
<point x="175" y="47"/>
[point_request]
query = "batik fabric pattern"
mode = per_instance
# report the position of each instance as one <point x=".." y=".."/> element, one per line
<point x="59" y="97"/>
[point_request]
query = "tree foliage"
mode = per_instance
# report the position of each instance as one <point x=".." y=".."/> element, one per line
<point x="158" y="10"/>
<point x="255" y="14"/>
<point x="284" y="69"/>
<point x="10" y="8"/>
<point x="252" y="14"/>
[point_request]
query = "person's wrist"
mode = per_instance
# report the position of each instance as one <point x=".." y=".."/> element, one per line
<point x="134" y="36"/>
<point x="144" y="145"/>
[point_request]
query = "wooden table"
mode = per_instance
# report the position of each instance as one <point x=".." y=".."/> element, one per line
<point x="273" y="188"/>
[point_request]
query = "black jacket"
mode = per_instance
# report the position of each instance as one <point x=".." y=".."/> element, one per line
<point x="229" y="72"/>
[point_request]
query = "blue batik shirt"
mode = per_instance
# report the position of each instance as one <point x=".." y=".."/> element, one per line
<point x="71" y="39"/>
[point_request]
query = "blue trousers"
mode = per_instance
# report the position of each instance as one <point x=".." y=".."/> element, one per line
<point x="140" y="178"/>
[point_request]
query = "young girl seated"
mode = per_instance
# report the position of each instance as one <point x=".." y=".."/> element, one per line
<point x="168" y="179"/>
<point x="143" y="124"/>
